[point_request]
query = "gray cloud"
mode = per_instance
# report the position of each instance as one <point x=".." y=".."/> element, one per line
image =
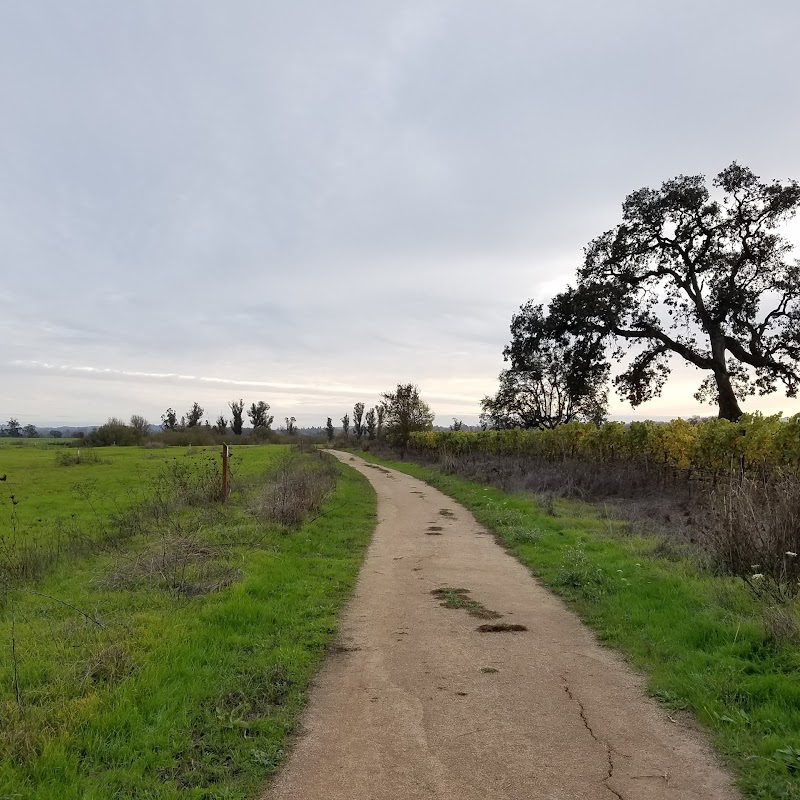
<point x="344" y="194"/>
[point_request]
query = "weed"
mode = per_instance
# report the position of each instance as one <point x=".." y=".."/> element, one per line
<point x="579" y="572"/>
<point x="109" y="664"/>
<point x="523" y="534"/>
<point x="547" y="502"/>
<point x="782" y="624"/>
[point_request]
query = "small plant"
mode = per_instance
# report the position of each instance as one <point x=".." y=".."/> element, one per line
<point x="522" y="534"/>
<point x="547" y="503"/>
<point x="579" y="572"/>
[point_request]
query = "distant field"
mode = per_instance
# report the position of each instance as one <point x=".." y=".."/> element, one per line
<point x="108" y="480"/>
<point x="168" y="655"/>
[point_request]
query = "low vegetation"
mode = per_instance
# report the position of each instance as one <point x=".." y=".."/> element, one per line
<point x="164" y="648"/>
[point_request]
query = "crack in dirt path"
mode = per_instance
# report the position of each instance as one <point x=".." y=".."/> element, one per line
<point x="405" y="707"/>
<point x="609" y="750"/>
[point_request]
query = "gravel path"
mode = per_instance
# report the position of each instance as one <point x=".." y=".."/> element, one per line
<point x="416" y="702"/>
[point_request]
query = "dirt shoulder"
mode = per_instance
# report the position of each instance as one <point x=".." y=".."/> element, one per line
<point x="417" y="702"/>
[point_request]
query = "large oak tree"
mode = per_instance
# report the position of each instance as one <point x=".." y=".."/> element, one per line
<point x="701" y="276"/>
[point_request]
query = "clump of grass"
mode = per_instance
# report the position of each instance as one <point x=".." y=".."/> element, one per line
<point x="547" y="502"/>
<point x="578" y="571"/>
<point x="109" y="664"/>
<point x="452" y="597"/>
<point x="524" y="534"/>
<point x="782" y="624"/>
<point x="257" y="693"/>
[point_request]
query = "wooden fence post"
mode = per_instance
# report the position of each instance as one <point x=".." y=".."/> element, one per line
<point x="225" y="454"/>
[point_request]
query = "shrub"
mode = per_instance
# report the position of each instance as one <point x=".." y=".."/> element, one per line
<point x="297" y="490"/>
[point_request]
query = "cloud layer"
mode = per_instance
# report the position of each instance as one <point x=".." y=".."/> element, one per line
<point x="311" y="202"/>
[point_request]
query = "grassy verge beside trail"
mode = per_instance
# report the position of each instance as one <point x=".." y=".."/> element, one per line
<point x="700" y="639"/>
<point x="199" y="636"/>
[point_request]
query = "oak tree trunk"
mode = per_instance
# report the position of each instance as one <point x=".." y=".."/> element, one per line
<point x="728" y="404"/>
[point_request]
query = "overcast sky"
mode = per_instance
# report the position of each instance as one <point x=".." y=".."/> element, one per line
<point x="309" y="202"/>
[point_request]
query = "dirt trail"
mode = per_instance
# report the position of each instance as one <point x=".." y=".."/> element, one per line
<point x="417" y="703"/>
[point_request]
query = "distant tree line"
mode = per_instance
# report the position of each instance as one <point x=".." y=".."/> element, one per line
<point x="400" y="413"/>
<point x="14" y="430"/>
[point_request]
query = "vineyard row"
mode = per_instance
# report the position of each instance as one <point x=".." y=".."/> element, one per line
<point x="717" y="446"/>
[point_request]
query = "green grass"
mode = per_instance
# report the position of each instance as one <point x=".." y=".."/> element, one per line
<point x="700" y="639"/>
<point x="51" y="497"/>
<point x="176" y="696"/>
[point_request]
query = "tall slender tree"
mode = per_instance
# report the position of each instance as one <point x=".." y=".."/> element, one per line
<point x="358" y="417"/>
<point x="371" y="424"/>
<point x="194" y="415"/>
<point x="237" y="416"/>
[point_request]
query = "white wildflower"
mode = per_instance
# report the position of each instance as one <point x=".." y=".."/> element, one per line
<point x="758" y="576"/>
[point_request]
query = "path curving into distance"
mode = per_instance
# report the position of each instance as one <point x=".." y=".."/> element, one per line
<point x="416" y="702"/>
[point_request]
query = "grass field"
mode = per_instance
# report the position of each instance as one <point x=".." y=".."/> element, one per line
<point x="170" y="655"/>
<point x="706" y="645"/>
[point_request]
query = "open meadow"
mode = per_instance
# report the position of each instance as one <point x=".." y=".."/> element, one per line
<point x="156" y="643"/>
